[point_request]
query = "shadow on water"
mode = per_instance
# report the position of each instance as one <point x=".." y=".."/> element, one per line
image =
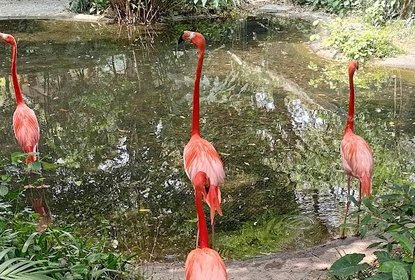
<point x="114" y="107"/>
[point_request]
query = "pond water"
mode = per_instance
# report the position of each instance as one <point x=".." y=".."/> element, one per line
<point x="114" y="105"/>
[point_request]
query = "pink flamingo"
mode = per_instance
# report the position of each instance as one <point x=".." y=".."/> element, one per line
<point x="203" y="263"/>
<point x="25" y="124"/>
<point x="356" y="153"/>
<point x="199" y="154"/>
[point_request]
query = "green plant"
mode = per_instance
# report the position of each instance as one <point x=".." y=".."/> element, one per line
<point x="332" y="6"/>
<point x="376" y="14"/>
<point x="79" y="6"/>
<point x="391" y="217"/>
<point x="267" y="234"/>
<point x="376" y="11"/>
<point x="360" y="42"/>
<point x="348" y="265"/>
<point x="53" y="253"/>
<point x="99" y="6"/>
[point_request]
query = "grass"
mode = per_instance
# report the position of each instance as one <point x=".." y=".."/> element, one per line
<point x="261" y="238"/>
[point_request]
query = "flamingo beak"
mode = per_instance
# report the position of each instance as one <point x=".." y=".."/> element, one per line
<point x="181" y="38"/>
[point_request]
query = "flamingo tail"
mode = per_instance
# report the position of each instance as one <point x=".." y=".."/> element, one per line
<point x="213" y="200"/>
<point x="365" y="184"/>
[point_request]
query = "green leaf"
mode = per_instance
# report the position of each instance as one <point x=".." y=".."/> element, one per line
<point x="404" y="241"/>
<point x="413" y="271"/>
<point x="3" y="190"/>
<point x="399" y="273"/>
<point x="35" y="166"/>
<point x="383" y="256"/>
<point x="22" y="269"/>
<point x="79" y="268"/>
<point x="49" y="165"/>
<point x="17" y="157"/>
<point x="348" y="265"/>
<point x="381" y="276"/>
<point x="393" y="227"/>
<point x="389" y="265"/>
<point x="28" y="242"/>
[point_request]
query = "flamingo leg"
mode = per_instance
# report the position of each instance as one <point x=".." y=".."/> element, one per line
<point x="343" y="234"/>
<point x="359" y="202"/>
<point x="213" y="233"/>
<point x="197" y="239"/>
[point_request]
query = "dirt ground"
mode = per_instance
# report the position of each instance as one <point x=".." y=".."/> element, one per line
<point x="301" y="265"/>
<point x="40" y="9"/>
<point x="310" y="264"/>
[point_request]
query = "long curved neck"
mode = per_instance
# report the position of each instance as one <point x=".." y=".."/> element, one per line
<point x="201" y="222"/>
<point x="17" y="90"/>
<point x="196" y="94"/>
<point x="350" y="113"/>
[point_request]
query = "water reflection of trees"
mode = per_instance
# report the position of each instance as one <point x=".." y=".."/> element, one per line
<point x="117" y="116"/>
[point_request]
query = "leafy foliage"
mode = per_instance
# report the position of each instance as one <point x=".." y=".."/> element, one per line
<point x="146" y="11"/>
<point x="53" y="253"/>
<point x="348" y="265"/>
<point x="391" y="216"/>
<point x="332" y="6"/>
<point x="376" y="11"/>
<point x="360" y="42"/>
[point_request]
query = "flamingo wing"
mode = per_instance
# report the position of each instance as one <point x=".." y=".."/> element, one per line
<point x="205" y="264"/>
<point x="26" y="128"/>
<point x="356" y="155"/>
<point x="200" y="155"/>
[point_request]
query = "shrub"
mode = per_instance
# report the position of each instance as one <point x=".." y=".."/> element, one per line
<point x="146" y="11"/>
<point x="340" y="7"/>
<point x="377" y="11"/>
<point x="360" y="42"/>
<point x="391" y="216"/>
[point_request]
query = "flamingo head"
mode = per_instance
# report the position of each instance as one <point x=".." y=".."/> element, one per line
<point x="195" y="38"/>
<point x="201" y="183"/>
<point x="353" y="66"/>
<point x="7" y="38"/>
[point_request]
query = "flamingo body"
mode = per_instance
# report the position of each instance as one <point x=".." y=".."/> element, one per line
<point x="26" y="130"/>
<point x="355" y="152"/>
<point x="357" y="159"/>
<point x="204" y="264"/>
<point x="25" y="124"/>
<point x="200" y="155"/>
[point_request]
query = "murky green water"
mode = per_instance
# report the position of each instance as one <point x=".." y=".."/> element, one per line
<point x="114" y="107"/>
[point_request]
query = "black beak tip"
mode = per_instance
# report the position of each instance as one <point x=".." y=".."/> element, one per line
<point x="181" y="38"/>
